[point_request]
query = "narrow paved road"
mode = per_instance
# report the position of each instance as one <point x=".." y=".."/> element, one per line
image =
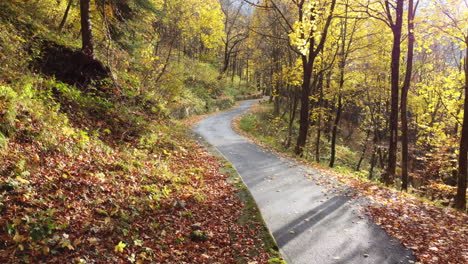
<point x="309" y="225"/>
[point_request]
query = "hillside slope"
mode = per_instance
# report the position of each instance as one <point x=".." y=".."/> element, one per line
<point x="93" y="168"/>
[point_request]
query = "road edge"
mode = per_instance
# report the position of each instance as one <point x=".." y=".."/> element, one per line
<point x="251" y="209"/>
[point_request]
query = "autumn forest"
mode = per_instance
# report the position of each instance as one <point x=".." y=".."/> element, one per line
<point x="101" y="101"/>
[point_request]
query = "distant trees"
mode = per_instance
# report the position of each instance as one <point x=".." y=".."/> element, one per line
<point x="307" y="24"/>
<point x="347" y="31"/>
<point x="236" y="29"/>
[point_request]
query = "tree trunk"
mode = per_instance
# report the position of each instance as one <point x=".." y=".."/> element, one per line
<point x="166" y="63"/>
<point x="460" y="198"/>
<point x="86" y="32"/>
<point x="335" y="132"/>
<point x="382" y="158"/>
<point x="317" y="139"/>
<point x="275" y="55"/>
<point x="233" y="68"/>
<point x="372" y="163"/>
<point x="304" y="115"/>
<point x="276" y="101"/>
<point x="395" y="71"/>
<point x="342" y="64"/>
<point x="363" y="153"/>
<point x="307" y="67"/>
<point x="329" y="121"/>
<point x="65" y="16"/>
<point x="319" y="121"/>
<point x="404" y="98"/>
<point x="226" y="58"/>
<point x="292" y="117"/>
<point x="247" y="70"/>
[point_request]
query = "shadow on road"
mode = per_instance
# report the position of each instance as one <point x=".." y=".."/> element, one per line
<point x="306" y="221"/>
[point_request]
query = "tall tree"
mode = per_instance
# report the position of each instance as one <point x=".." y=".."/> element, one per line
<point x="345" y="42"/>
<point x="307" y="35"/>
<point x="86" y="29"/>
<point x="404" y="95"/>
<point x="396" y="27"/>
<point x="310" y="47"/>
<point x="460" y="198"/>
<point x="391" y="13"/>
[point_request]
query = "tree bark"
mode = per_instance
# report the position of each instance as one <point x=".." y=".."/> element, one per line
<point x="460" y="197"/>
<point x="395" y="71"/>
<point x="86" y="32"/>
<point x="304" y="115"/>
<point x="404" y="98"/>
<point x="226" y="58"/>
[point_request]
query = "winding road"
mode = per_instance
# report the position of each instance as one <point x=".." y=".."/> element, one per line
<point x="310" y="225"/>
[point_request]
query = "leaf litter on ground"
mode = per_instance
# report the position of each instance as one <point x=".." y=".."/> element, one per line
<point x="122" y="205"/>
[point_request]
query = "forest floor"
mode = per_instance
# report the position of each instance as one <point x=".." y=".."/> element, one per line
<point x="434" y="234"/>
<point x="86" y="202"/>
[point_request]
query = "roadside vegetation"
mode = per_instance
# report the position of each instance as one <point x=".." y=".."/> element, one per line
<point x="377" y="86"/>
<point x="421" y="221"/>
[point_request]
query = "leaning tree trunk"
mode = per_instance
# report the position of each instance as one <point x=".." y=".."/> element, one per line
<point x="404" y="98"/>
<point x="86" y="32"/>
<point x="65" y="15"/>
<point x="460" y="198"/>
<point x="395" y="71"/>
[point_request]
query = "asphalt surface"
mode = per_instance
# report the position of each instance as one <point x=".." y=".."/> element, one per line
<point x="310" y="225"/>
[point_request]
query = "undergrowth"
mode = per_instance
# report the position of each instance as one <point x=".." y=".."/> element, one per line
<point x="272" y="131"/>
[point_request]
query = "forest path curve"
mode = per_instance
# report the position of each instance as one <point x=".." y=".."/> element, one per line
<point x="310" y="225"/>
